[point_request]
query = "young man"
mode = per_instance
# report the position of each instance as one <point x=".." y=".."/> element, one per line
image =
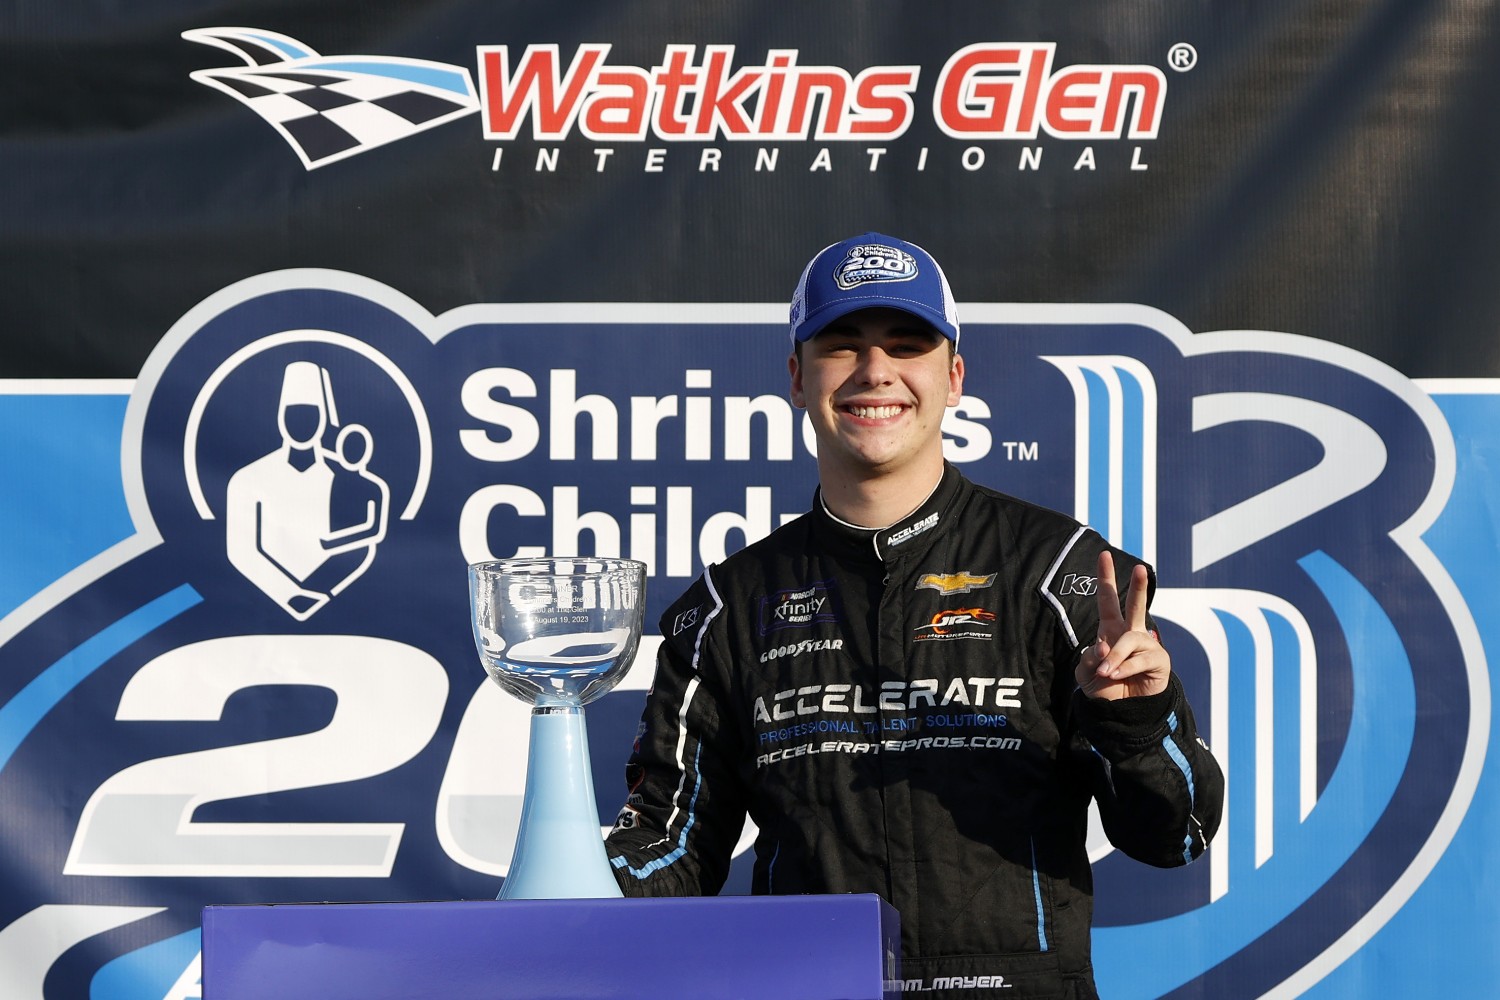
<point x="897" y="686"/>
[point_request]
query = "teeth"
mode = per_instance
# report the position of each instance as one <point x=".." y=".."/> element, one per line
<point x="874" y="412"/>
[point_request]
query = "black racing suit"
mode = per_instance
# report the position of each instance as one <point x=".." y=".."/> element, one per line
<point x="896" y="710"/>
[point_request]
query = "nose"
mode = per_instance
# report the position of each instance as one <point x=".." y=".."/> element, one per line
<point x="875" y="367"/>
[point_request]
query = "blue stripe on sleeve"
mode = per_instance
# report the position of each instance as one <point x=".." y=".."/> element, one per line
<point x="1175" y="752"/>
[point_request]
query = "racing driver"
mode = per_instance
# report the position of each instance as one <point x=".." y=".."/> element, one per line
<point x="900" y="688"/>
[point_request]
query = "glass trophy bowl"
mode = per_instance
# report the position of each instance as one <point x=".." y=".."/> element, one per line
<point x="558" y="634"/>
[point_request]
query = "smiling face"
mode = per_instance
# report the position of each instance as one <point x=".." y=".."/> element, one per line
<point x="875" y="385"/>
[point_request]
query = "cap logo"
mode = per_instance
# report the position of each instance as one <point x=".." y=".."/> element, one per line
<point x="874" y="262"/>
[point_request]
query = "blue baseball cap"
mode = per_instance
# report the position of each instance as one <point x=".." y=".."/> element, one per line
<point x="867" y="271"/>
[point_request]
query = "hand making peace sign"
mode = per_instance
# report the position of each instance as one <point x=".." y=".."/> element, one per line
<point x="1126" y="661"/>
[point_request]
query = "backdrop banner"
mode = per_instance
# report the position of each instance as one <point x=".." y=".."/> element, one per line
<point x="1225" y="284"/>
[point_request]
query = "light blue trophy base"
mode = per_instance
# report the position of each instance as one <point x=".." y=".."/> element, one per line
<point x="786" y="947"/>
<point x="559" y="849"/>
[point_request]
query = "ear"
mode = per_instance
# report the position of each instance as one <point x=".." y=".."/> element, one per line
<point x="794" y="371"/>
<point x="956" y="380"/>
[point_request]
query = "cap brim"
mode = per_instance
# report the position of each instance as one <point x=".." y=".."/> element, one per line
<point x="815" y="322"/>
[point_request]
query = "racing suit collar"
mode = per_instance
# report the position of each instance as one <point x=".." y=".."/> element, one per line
<point x="894" y="541"/>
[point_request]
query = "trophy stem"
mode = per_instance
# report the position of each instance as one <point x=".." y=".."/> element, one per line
<point x="559" y="850"/>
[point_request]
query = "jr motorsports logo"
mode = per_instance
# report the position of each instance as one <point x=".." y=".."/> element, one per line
<point x="270" y="691"/>
<point x="332" y="107"/>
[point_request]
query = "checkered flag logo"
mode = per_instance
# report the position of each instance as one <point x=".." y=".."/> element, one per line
<point x="329" y="108"/>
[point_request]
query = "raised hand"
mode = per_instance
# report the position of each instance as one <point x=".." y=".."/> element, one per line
<point x="1126" y="660"/>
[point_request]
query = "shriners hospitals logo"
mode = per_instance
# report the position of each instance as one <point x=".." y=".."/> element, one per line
<point x="274" y="677"/>
<point x="329" y="108"/>
<point x="304" y="521"/>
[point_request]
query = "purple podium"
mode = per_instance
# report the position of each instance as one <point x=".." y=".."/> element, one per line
<point x="787" y="947"/>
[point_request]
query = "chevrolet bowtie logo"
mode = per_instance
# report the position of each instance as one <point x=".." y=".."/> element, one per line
<point x="954" y="583"/>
